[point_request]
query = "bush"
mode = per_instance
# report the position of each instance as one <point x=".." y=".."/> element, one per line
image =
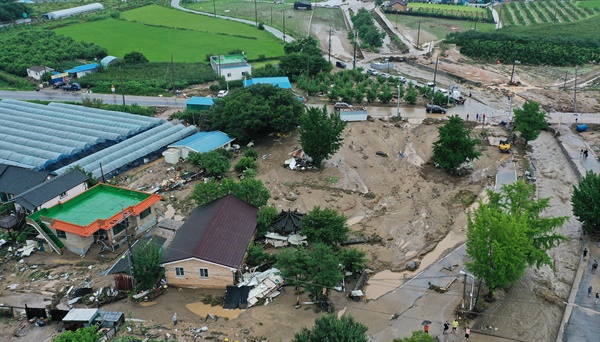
<point x="250" y="153"/>
<point x="245" y="163"/>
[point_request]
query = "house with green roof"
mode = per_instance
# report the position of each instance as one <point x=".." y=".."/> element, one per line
<point x="232" y="67"/>
<point x="103" y="214"/>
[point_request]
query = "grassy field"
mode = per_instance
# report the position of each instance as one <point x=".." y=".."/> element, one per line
<point x="188" y="37"/>
<point x="418" y="5"/>
<point x="296" y="22"/>
<point x="589" y="4"/>
<point x="438" y="28"/>
<point x="583" y="29"/>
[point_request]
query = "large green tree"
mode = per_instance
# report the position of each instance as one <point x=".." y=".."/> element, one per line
<point x="303" y="56"/>
<point x="146" y="265"/>
<point x="586" y="201"/>
<point x="454" y="145"/>
<point x="530" y="120"/>
<point x="507" y="234"/>
<point x="250" y="190"/>
<point x="329" y="328"/>
<point x="320" y="134"/>
<point x="254" y="112"/>
<point x="88" y="334"/>
<point x="212" y="162"/>
<point x="325" y="226"/>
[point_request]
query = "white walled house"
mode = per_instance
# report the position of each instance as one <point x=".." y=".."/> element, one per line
<point x="232" y="67"/>
<point x="37" y="71"/>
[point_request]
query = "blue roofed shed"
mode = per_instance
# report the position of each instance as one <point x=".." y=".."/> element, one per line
<point x="199" y="103"/>
<point x="82" y="70"/>
<point x="200" y="142"/>
<point x="281" y="82"/>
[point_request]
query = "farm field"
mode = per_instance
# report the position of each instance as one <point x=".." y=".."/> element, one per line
<point x="183" y="35"/>
<point x="297" y="23"/>
<point x="465" y="12"/>
<point x="547" y="11"/>
<point x="438" y="28"/>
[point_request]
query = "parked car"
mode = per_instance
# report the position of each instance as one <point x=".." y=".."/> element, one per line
<point x="372" y="72"/>
<point x="340" y="64"/>
<point x="435" y="109"/>
<point x="402" y="79"/>
<point x="430" y="84"/>
<point x="385" y="75"/>
<point x="71" y="87"/>
<point x="58" y="84"/>
<point x="222" y="93"/>
<point x="339" y="105"/>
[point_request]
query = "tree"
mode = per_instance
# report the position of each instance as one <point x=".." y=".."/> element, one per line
<point x="385" y="96"/>
<point x="245" y="163"/>
<point x="135" y="58"/>
<point x="212" y="162"/>
<point x="331" y="328"/>
<point x="411" y="95"/>
<point x="268" y="70"/>
<point x="586" y="201"/>
<point x="323" y="269"/>
<point x="292" y="264"/>
<point x="454" y="145"/>
<point x="325" y="226"/>
<point x="146" y="265"/>
<point x="320" y="133"/>
<point x="257" y="256"/>
<point x="91" y="180"/>
<point x="266" y="216"/>
<point x="249" y="190"/>
<point x="254" y="112"/>
<point x="88" y="334"/>
<point x="251" y="154"/>
<point x="354" y="260"/>
<point x="507" y="234"/>
<point x="530" y="121"/>
<point x="417" y="336"/>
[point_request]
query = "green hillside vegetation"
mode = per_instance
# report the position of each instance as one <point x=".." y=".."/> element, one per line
<point x="183" y="35"/>
<point x="546" y="11"/>
<point x="550" y="44"/>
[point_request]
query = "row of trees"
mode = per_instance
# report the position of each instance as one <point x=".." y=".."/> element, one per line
<point x="368" y="34"/>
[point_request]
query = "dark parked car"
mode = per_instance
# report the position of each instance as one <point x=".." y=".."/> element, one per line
<point x="58" y="84"/>
<point x="71" y="87"/>
<point x="435" y="109"/>
<point x="340" y="64"/>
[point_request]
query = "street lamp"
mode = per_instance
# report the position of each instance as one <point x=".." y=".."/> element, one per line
<point x="513" y="70"/>
<point x="465" y="288"/>
<point x="398" y="110"/>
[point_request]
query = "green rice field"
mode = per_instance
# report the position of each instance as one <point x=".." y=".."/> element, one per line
<point x="589" y="4"/>
<point x="436" y="27"/>
<point x="160" y="32"/>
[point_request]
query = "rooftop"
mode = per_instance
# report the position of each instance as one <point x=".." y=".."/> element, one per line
<point x="50" y="189"/>
<point x="82" y="68"/>
<point x="217" y="232"/>
<point x="201" y="101"/>
<point x="204" y="141"/>
<point x="81" y="315"/>
<point x="16" y="180"/>
<point x="281" y="82"/>
<point x="101" y="207"/>
<point x="229" y="59"/>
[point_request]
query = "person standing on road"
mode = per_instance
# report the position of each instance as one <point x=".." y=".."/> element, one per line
<point x="477" y="117"/>
<point x="585" y="253"/>
<point x="590" y="291"/>
<point x="467" y="333"/>
<point x="597" y="297"/>
<point x="467" y="117"/>
<point x="446" y="327"/>
<point x="175" y="319"/>
<point x="454" y="326"/>
<point x="594" y="266"/>
<point x="483" y="119"/>
<point x="426" y="329"/>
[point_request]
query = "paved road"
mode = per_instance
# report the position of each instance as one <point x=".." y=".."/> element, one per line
<point x="274" y="31"/>
<point x="496" y="18"/>
<point x="52" y="95"/>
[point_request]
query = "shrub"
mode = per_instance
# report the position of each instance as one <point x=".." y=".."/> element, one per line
<point x="245" y="163"/>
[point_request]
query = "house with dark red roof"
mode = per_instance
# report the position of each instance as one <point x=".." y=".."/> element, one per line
<point x="211" y="246"/>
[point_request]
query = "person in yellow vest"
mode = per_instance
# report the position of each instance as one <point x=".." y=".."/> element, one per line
<point x="454" y="326"/>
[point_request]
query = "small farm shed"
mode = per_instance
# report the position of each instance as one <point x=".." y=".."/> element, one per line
<point x="37" y="71"/>
<point x="302" y="5"/>
<point x="80" y="318"/>
<point x="397" y="5"/>
<point x="108" y="60"/>
<point x="82" y="70"/>
<point x="74" y="11"/>
<point x="199" y="103"/>
<point x="281" y="82"/>
<point x="200" y="142"/>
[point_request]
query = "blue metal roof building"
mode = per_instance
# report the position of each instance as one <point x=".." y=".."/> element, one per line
<point x="82" y="70"/>
<point x="199" y="103"/>
<point x="281" y="82"/>
<point x="202" y="142"/>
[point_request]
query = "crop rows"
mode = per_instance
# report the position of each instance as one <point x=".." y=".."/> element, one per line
<point x="537" y="9"/>
<point x="520" y="20"/>
<point x="554" y="7"/>
<point x="545" y="6"/>
<point x="530" y="17"/>
<point x="508" y="16"/>
<point x="544" y="11"/>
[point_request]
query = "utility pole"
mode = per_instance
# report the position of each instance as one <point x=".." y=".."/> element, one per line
<point x="565" y="85"/>
<point x="419" y="34"/>
<point x="271" y="15"/>
<point x="130" y="252"/>
<point x="398" y="109"/>
<point x="512" y="74"/>
<point x="355" y="41"/>
<point x="255" y="14"/>
<point x="284" y="27"/>
<point x="122" y="88"/>
<point x="329" y="51"/>
<point x="464" y="291"/>
<point x="434" y="78"/>
<point x="172" y="73"/>
<point x="214" y="8"/>
<point x="396" y="19"/>
<point x="575" y="91"/>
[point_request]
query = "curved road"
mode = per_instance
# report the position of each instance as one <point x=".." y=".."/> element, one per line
<point x="274" y="31"/>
